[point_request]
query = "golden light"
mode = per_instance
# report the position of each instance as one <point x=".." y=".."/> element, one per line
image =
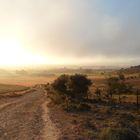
<point x="13" y="52"/>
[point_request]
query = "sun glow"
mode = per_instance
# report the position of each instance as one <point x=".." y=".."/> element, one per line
<point x="13" y="53"/>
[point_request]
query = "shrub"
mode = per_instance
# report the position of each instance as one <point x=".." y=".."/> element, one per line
<point x="68" y="105"/>
<point x="70" y="92"/>
<point x="98" y="93"/>
<point x="121" y="77"/>
<point x="83" y="107"/>
<point x="118" y="134"/>
<point x="126" y="116"/>
<point x="57" y="98"/>
<point x="117" y="86"/>
<point x="60" y="84"/>
<point x="78" y="86"/>
<point x="75" y="86"/>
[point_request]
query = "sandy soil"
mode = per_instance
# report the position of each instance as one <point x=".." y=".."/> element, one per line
<point x="50" y="131"/>
<point x="26" y="118"/>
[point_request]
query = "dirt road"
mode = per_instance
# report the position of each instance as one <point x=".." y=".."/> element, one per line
<point x="23" y="117"/>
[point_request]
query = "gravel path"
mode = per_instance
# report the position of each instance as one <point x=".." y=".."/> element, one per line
<point x="22" y="118"/>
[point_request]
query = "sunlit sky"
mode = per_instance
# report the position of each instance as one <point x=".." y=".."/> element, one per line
<point x="85" y="32"/>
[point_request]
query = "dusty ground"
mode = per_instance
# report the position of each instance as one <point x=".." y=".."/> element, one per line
<point x="89" y="125"/>
<point x="26" y="117"/>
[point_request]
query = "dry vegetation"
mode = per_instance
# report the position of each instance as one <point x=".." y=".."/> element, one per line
<point x="103" y="116"/>
<point x="89" y="125"/>
<point x="26" y="80"/>
<point x="4" y="88"/>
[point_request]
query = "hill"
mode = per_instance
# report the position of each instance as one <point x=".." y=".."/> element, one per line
<point x="132" y="69"/>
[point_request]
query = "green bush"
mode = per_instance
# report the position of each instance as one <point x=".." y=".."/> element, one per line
<point x="118" y="134"/>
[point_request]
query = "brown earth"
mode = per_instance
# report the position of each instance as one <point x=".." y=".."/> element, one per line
<point x="22" y="117"/>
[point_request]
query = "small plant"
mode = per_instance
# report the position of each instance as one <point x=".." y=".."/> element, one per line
<point x="83" y="107"/>
<point x="72" y="106"/>
<point x="127" y="116"/>
<point x="98" y="93"/>
<point x="121" y="77"/>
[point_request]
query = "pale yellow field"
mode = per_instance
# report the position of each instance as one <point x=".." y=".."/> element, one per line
<point x="8" y="88"/>
<point x="26" y="80"/>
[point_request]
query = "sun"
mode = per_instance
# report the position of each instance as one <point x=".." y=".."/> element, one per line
<point x="13" y="53"/>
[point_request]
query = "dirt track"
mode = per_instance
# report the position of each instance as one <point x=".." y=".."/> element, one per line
<point x="22" y="118"/>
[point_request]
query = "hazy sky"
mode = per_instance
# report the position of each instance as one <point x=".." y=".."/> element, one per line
<point x="87" y="32"/>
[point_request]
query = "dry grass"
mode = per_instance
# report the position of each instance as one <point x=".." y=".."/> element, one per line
<point x="26" y="80"/>
<point x="89" y="125"/>
<point x="126" y="98"/>
<point x="4" y="88"/>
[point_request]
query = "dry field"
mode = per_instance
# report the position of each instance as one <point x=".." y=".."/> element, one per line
<point x="4" y="88"/>
<point x="21" y="115"/>
<point x="26" y="80"/>
<point x="89" y="125"/>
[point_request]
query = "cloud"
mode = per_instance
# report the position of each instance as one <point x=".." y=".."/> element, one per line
<point x="81" y="29"/>
<point x="73" y="28"/>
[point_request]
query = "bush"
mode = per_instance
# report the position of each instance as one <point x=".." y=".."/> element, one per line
<point x="70" y="91"/>
<point x="121" y="77"/>
<point x="98" y="93"/>
<point x="126" y="116"/>
<point x="68" y="105"/>
<point x="118" y="134"/>
<point x="117" y="86"/>
<point x="78" y="86"/>
<point x="83" y="107"/>
<point x="60" y="84"/>
<point x="57" y="98"/>
<point x="75" y="86"/>
<point x="72" y="106"/>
